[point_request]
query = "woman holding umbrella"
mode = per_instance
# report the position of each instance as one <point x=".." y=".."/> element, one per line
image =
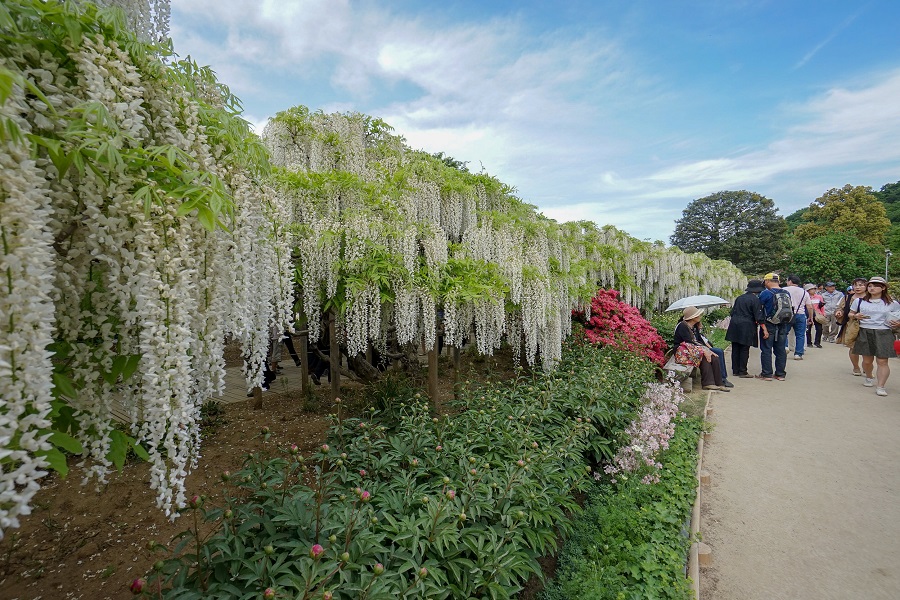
<point x="747" y="317"/>
<point x="706" y="359"/>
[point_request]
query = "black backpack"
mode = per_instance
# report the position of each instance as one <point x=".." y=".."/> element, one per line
<point x="784" y="310"/>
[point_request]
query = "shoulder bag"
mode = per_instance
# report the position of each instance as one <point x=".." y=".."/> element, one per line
<point x="688" y="354"/>
<point x="851" y="329"/>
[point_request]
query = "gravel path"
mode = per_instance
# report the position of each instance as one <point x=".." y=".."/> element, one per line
<point x="804" y="500"/>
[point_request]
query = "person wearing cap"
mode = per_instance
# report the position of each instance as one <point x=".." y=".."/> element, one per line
<point x="877" y="313"/>
<point x="801" y="303"/>
<point x="747" y="320"/>
<point x="710" y="367"/>
<point x="832" y="298"/>
<point x="774" y="343"/>
<point x="811" y="322"/>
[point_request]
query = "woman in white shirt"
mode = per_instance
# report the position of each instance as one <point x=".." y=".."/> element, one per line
<point x="876" y="313"/>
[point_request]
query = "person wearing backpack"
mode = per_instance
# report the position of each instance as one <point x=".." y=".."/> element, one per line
<point x="779" y="316"/>
<point x="802" y="303"/>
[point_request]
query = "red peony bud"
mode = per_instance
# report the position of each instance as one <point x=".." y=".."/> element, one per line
<point x="137" y="586"/>
<point x="316" y="551"/>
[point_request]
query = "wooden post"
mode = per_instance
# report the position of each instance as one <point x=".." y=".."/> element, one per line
<point x="457" y="364"/>
<point x="257" y="398"/>
<point x="304" y="358"/>
<point x="334" y="356"/>
<point x="433" y="376"/>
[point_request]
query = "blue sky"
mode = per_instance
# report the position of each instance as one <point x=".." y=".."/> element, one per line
<point x="619" y="112"/>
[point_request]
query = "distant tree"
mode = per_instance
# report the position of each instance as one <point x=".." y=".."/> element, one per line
<point x="836" y="256"/>
<point x="451" y="162"/>
<point x="889" y="193"/>
<point x="850" y="209"/>
<point x="742" y="227"/>
<point x="795" y="219"/>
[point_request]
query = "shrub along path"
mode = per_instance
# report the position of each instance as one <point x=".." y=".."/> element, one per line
<point x="804" y="500"/>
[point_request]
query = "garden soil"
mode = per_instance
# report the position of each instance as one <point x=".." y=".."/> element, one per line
<point x="81" y="543"/>
<point x="804" y="498"/>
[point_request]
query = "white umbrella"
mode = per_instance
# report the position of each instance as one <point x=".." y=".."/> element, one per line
<point x="700" y="301"/>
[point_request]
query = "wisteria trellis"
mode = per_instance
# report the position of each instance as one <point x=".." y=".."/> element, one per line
<point x="142" y="224"/>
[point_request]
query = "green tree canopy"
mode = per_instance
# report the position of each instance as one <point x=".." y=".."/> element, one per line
<point x="850" y="209"/>
<point x="742" y="227"/>
<point x="795" y="219"/>
<point x="838" y="257"/>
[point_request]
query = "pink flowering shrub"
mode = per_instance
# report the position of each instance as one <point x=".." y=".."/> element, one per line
<point x="648" y="434"/>
<point x="620" y="325"/>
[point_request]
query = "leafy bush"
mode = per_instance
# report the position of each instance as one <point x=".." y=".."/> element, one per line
<point x="619" y="325"/>
<point x="420" y="505"/>
<point x="629" y="544"/>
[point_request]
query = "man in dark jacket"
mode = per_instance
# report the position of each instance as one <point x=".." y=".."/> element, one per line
<point x="747" y="317"/>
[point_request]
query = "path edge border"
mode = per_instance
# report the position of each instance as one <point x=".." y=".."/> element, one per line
<point x="694" y="554"/>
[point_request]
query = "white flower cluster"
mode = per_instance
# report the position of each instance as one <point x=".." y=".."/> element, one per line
<point x="26" y="258"/>
<point x="100" y="255"/>
<point x="389" y="221"/>
<point x="148" y="18"/>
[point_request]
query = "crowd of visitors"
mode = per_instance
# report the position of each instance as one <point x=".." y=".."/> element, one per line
<point x="792" y="319"/>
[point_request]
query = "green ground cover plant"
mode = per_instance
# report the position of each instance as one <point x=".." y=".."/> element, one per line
<point x="629" y="543"/>
<point x="407" y="504"/>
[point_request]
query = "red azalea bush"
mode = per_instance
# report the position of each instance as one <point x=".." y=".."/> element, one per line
<point x="620" y="325"/>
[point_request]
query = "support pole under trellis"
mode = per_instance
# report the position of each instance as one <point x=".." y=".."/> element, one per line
<point x="334" y="356"/>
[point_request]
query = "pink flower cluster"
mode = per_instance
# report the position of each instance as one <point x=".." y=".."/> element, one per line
<point x="620" y="325"/>
<point x="648" y="434"/>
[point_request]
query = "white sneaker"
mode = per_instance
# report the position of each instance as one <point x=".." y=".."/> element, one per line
<point x="798" y="357"/>
<point x="869" y="382"/>
<point x="881" y="391"/>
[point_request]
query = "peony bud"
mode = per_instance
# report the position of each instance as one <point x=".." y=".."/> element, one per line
<point x="439" y="448"/>
<point x="423" y="572"/>
<point x="325" y="448"/>
<point x="269" y="594"/>
<point x="451" y="494"/>
<point x="365" y="497"/>
<point x="226" y="475"/>
<point x="137" y="586"/>
<point x="316" y="551"/>
<point x="345" y="557"/>
<point x="269" y="550"/>
<point x="332" y="538"/>
<point x="195" y="502"/>
<point x="462" y="516"/>
<point x="362" y="472"/>
<point x="378" y="569"/>
<point x="294" y="449"/>
<point x="327" y="595"/>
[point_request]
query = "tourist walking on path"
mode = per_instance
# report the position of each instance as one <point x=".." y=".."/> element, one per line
<point x="815" y="317"/>
<point x="778" y="309"/>
<point x="801" y="303"/>
<point x="877" y="313"/>
<point x="833" y="300"/>
<point x="843" y="313"/>
<point x="747" y="318"/>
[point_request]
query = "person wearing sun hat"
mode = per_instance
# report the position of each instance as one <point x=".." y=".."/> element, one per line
<point x="747" y="320"/>
<point x="710" y="367"/>
<point x="833" y="299"/>
<point x="774" y="344"/>
<point x="812" y="324"/>
<point x="877" y="313"/>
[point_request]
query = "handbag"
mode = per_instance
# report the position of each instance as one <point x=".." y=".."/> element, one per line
<point x="819" y="317"/>
<point x="851" y="332"/>
<point x="689" y="355"/>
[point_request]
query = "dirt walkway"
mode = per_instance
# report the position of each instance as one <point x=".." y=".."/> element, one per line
<point x="804" y="501"/>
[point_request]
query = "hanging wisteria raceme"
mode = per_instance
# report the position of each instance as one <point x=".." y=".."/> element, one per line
<point x="120" y="286"/>
<point x="397" y="224"/>
<point x="26" y="259"/>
